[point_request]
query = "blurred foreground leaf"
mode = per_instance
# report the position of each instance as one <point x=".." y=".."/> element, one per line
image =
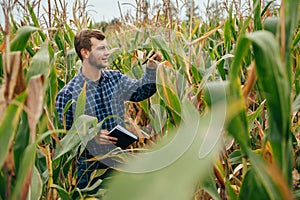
<point x="173" y="165"/>
<point x="9" y="125"/>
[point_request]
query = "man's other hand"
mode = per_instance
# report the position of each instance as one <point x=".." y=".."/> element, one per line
<point x="104" y="138"/>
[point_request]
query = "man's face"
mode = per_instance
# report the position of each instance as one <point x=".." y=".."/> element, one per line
<point x="98" y="56"/>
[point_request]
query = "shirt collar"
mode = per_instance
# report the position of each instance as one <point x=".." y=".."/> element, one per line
<point x="84" y="78"/>
<point x="104" y="75"/>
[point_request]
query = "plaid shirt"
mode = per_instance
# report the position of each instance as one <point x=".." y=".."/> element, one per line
<point x="105" y="97"/>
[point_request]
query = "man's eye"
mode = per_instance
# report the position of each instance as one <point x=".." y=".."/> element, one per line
<point x="102" y="48"/>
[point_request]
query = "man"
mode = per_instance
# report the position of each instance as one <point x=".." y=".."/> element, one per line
<point x="106" y="91"/>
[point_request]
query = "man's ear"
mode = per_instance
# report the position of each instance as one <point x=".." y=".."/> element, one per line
<point x="84" y="53"/>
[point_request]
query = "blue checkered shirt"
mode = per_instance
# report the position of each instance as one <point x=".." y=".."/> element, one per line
<point x="105" y="97"/>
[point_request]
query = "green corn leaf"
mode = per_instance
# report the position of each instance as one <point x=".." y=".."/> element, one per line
<point x="79" y="130"/>
<point x="35" y="21"/>
<point x="272" y="24"/>
<point x="159" y="43"/>
<point x="59" y="40"/>
<point x="245" y="26"/>
<point x="214" y="92"/>
<point x="267" y="7"/>
<point x="257" y="15"/>
<point x="94" y="186"/>
<point x="158" y="117"/>
<point x="69" y="35"/>
<point x="10" y="124"/>
<point x="30" y="51"/>
<point x="265" y="177"/>
<point x="161" y="168"/>
<point x="296" y="39"/>
<point x="80" y="104"/>
<point x="236" y="157"/>
<point x="168" y="94"/>
<point x="257" y="113"/>
<point x="228" y="31"/>
<point x="291" y="21"/>
<point x="52" y="89"/>
<point x="68" y="143"/>
<point x="33" y="15"/>
<point x="231" y="193"/>
<point x="36" y="185"/>
<point x="79" y="133"/>
<point x="227" y="35"/>
<point x="20" y="40"/>
<point x="21" y="139"/>
<point x="26" y="167"/>
<point x="252" y="188"/>
<point x="197" y="76"/>
<point x="196" y="29"/>
<point x="296" y="104"/>
<point x="40" y="63"/>
<point x="209" y="72"/>
<point x="238" y="127"/>
<point x="68" y="105"/>
<point x="62" y="192"/>
<point x="270" y="69"/>
<point x="2" y="186"/>
<point x="210" y="186"/>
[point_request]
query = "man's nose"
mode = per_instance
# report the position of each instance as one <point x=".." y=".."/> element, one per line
<point x="107" y="52"/>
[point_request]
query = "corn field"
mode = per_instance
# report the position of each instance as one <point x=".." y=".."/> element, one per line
<point x="223" y="124"/>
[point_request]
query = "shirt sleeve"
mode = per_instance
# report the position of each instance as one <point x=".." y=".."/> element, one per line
<point x="138" y="90"/>
<point x="62" y="100"/>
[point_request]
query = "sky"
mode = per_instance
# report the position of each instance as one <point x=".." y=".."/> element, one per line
<point x="102" y="10"/>
<point x="106" y="10"/>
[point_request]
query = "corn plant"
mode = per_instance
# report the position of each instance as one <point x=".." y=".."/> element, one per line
<point x="223" y="123"/>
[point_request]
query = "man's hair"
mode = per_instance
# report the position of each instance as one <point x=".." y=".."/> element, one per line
<point x="83" y="39"/>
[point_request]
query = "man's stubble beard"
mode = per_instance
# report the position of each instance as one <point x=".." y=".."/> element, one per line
<point x="93" y="62"/>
